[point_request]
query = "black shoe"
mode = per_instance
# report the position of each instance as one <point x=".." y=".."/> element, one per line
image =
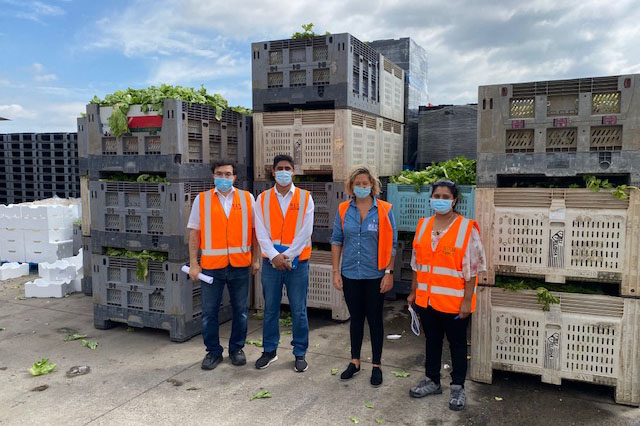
<point x="300" y="365"/>
<point x="237" y="357"/>
<point x="211" y="361"/>
<point x="351" y="371"/>
<point x="376" y="377"/>
<point x="266" y="359"/>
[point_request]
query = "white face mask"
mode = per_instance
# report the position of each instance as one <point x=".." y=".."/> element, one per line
<point x="283" y="177"/>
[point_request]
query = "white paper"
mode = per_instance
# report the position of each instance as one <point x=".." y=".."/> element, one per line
<point x="206" y="278"/>
<point x="415" y="323"/>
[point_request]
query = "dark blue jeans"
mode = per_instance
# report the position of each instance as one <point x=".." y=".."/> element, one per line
<point x="296" y="282"/>
<point x="237" y="281"/>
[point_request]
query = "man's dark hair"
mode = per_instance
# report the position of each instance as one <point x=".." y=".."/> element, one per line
<point x="282" y="157"/>
<point x="223" y="162"/>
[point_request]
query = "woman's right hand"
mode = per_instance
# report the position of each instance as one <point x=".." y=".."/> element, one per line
<point x="411" y="298"/>
<point x="337" y="281"/>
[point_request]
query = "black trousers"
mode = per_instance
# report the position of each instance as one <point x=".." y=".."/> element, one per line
<point x="435" y="325"/>
<point x="364" y="300"/>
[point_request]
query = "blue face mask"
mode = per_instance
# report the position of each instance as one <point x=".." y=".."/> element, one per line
<point x="223" y="184"/>
<point x="283" y="177"/>
<point x="441" y="206"/>
<point x="362" y="192"/>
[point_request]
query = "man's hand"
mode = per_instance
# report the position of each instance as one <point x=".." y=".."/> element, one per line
<point x="280" y="262"/>
<point x="255" y="267"/>
<point x="194" y="270"/>
<point x="387" y="283"/>
<point x="411" y="298"/>
<point x="465" y="308"/>
<point x="337" y="280"/>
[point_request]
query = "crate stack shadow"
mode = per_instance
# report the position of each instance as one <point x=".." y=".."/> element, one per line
<point x="551" y="131"/>
<point x="138" y="189"/>
<point x="330" y="102"/>
<point x="35" y="166"/>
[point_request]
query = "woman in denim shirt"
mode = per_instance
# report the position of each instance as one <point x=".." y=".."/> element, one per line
<point x="360" y="235"/>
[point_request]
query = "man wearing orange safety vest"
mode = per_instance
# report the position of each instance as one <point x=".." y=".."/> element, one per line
<point x="284" y="223"/>
<point x="222" y="231"/>
<point x="447" y="257"/>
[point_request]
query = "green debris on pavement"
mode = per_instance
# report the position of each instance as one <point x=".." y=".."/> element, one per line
<point x="334" y="371"/>
<point x="131" y="329"/>
<point x="72" y="337"/>
<point x="354" y="419"/>
<point x="89" y="344"/>
<point x="368" y="405"/>
<point x="42" y="367"/>
<point x="400" y="374"/>
<point x="286" y="321"/>
<point x="286" y="331"/>
<point x="257" y="343"/>
<point x="379" y="421"/>
<point x="261" y="395"/>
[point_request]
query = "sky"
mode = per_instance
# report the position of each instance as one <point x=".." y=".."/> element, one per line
<point x="55" y="55"/>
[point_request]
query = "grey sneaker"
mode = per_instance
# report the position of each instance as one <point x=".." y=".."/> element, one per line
<point x="458" y="398"/>
<point x="424" y="388"/>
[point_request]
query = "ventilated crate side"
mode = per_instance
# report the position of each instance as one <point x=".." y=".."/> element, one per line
<point x="588" y="338"/>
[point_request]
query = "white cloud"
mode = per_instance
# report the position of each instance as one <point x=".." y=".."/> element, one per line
<point x="37" y="67"/>
<point x="32" y="10"/>
<point x="185" y="71"/>
<point x="46" y="77"/>
<point x="15" y="111"/>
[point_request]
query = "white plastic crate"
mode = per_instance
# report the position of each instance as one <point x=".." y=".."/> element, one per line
<point x="561" y="234"/>
<point x="328" y="142"/>
<point x="588" y="338"/>
<point x="391" y="90"/>
<point x="321" y="293"/>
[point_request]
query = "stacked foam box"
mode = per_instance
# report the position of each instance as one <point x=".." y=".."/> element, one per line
<point x="555" y="132"/>
<point x="57" y="278"/>
<point x="179" y="146"/>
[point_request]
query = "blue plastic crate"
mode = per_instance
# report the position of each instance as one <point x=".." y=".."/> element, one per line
<point x="409" y="206"/>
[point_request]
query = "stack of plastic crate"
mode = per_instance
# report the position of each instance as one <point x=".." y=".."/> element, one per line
<point x="550" y="134"/>
<point x="132" y="213"/>
<point x="331" y="103"/>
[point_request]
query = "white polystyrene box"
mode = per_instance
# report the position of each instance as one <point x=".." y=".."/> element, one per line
<point x="48" y="252"/>
<point x="41" y="287"/>
<point x="12" y="248"/>
<point x="13" y="270"/>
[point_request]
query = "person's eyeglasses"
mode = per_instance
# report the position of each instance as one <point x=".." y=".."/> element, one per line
<point x="227" y="175"/>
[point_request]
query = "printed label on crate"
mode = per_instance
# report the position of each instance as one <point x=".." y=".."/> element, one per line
<point x="552" y="348"/>
<point x="147" y="123"/>
<point x="609" y="120"/>
<point x="559" y="122"/>
<point x="556" y="249"/>
<point x="517" y="124"/>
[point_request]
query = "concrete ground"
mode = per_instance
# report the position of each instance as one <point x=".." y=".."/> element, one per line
<point x="141" y="378"/>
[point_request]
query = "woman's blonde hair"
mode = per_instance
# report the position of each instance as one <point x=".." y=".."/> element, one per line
<point x="360" y="170"/>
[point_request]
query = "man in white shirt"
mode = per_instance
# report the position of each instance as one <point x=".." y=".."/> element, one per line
<point x="222" y="231"/>
<point x="284" y="224"/>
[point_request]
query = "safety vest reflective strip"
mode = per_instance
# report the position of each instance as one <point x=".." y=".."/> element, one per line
<point x="208" y="229"/>
<point x="266" y="209"/>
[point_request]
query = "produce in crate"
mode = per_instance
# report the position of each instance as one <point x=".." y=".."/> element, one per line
<point x="460" y="170"/>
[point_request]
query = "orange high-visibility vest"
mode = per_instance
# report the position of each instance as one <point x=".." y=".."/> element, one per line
<point x="283" y="229"/>
<point x="439" y="273"/>
<point x="223" y="240"/>
<point x="385" y="231"/>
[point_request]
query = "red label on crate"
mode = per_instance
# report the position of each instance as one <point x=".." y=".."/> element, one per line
<point x="517" y="124"/>
<point x="559" y="122"/>
<point x="609" y="120"/>
<point x="145" y="123"/>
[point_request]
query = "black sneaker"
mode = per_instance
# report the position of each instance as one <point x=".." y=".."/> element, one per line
<point x="211" y="361"/>
<point x="300" y="364"/>
<point x="266" y="359"/>
<point x="351" y="371"/>
<point x="376" y="377"/>
<point x="237" y="357"/>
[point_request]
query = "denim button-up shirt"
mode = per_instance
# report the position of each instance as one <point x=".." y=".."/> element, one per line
<point x="360" y="242"/>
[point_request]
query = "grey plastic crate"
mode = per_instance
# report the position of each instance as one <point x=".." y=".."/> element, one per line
<point x="87" y="288"/>
<point x="323" y="72"/>
<point x="77" y="238"/>
<point x="189" y="131"/>
<point x="559" y="128"/>
<point x="402" y="273"/>
<point x="156" y="209"/>
<point x="167" y="299"/>
<point x="177" y="246"/>
<point x="326" y="197"/>
<point x="446" y="132"/>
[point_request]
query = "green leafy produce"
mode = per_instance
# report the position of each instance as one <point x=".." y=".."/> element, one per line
<point x="71" y="337"/>
<point x="517" y="284"/>
<point x="89" y="344"/>
<point x="334" y="371"/>
<point x="460" y="170"/>
<point x="354" y="419"/>
<point x="152" y="99"/>
<point x="2" y="328"/>
<point x="400" y="374"/>
<point x="286" y="321"/>
<point x="42" y="367"/>
<point x="242" y="110"/>
<point x="122" y="177"/>
<point x="261" y="395"/>
<point x="143" y="257"/>
<point x="257" y="343"/>
<point x="308" y="32"/>
<point x="379" y="421"/>
<point x="259" y="314"/>
<point x="545" y="298"/>
<point x="368" y="405"/>
<point x="286" y="332"/>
